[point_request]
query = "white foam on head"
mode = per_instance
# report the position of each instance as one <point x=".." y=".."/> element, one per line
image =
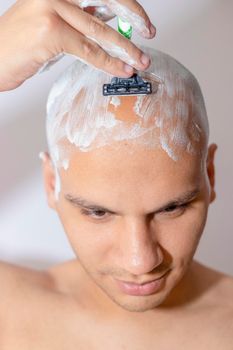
<point x="172" y="118"/>
<point x="57" y="189"/>
<point x="115" y="101"/>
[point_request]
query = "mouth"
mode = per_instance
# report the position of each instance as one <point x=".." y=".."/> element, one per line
<point x="140" y="289"/>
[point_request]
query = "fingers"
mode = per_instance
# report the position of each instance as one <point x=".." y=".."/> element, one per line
<point x="101" y="12"/>
<point x="91" y="53"/>
<point x="87" y="3"/>
<point x="132" y="12"/>
<point x="106" y="37"/>
<point x="129" y="10"/>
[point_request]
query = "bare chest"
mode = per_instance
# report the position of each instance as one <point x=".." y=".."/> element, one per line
<point x="58" y="331"/>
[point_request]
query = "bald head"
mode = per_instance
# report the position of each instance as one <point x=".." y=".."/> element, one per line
<point x="173" y="118"/>
<point x="130" y="184"/>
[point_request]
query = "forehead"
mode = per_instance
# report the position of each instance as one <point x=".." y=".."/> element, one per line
<point x="126" y="168"/>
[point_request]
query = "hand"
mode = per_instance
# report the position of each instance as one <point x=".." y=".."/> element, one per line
<point x="32" y="32"/>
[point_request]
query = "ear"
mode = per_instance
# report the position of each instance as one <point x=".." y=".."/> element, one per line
<point x="211" y="170"/>
<point x="49" y="178"/>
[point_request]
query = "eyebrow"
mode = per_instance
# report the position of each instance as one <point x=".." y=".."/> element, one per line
<point x="179" y="200"/>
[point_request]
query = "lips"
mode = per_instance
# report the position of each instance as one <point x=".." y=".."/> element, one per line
<point x="142" y="283"/>
<point x="146" y="288"/>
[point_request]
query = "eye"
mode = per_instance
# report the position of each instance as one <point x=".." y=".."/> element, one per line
<point x="94" y="213"/>
<point x="175" y="209"/>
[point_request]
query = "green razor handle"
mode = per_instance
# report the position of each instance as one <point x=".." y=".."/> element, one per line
<point x="134" y="85"/>
<point x="125" y="28"/>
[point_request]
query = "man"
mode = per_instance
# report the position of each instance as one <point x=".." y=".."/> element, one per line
<point x="131" y="179"/>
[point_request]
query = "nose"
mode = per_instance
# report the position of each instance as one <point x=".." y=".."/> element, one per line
<point x="139" y="250"/>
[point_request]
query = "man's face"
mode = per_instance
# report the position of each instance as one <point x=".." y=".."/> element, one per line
<point x="135" y="217"/>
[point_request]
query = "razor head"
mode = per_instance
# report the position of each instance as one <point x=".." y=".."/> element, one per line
<point x="134" y="85"/>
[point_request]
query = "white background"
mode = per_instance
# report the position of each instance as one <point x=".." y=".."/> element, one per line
<point x="199" y="33"/>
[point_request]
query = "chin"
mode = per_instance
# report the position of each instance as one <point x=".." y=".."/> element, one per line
<point x="149" y="302"/>
<point x="137" y="303"/>
<point x="141" y="304"/>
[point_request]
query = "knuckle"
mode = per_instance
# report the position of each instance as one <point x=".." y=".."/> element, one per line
<point x="141" y="11"/>
<point x="88" y="49"/>
<point x="48" y="23"/>
<point x="40" y="5"/>
<point x="96" y="26"/>
<point x="108" y="61"/>
<point x="131" y="52"/>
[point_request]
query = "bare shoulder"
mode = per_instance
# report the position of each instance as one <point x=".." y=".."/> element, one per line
<point x="16" y="281"/>
<point x="225" y="289"/>
<point x="223" y="314"/>
<point x="222" y="286"/>
<point x="18" y="276"/>
<point x="34" y="312"/>
<point x="223" y="293"/>
<point x="217" y="307"/>
<point x="23" y="292"/>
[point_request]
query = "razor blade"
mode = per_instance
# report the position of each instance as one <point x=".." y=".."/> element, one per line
<point x="134" y="85"/>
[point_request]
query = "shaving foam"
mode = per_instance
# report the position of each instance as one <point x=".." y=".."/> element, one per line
<point x="114" y="50"/>
<point x="57" y="189"/>
<point x="115" y="101"/>
<point x="173" y="118"/>
<point x="136" y="21"/>
<point x="119" y="9"/>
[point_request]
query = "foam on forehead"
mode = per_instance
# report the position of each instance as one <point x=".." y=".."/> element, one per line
<point x="172" y="118"/>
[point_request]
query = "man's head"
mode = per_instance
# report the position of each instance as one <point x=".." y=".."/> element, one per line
<point x="131" y="178"/>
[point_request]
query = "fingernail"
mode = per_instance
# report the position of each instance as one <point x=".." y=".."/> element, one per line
<point x="128" y="69"/>
<point x="145" y="59"/>
<point x="152" y="30"/>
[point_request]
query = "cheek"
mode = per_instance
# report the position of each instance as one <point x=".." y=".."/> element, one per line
<point x="180" y="237"/>
<point x="88" y="240"/>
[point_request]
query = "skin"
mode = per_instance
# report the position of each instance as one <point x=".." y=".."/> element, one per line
<point x="139" y="242"/>
<point x="143" y="238"/>
<point x="62" y="26"/>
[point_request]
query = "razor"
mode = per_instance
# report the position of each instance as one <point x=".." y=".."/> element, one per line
<point x="134" y="85"/>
